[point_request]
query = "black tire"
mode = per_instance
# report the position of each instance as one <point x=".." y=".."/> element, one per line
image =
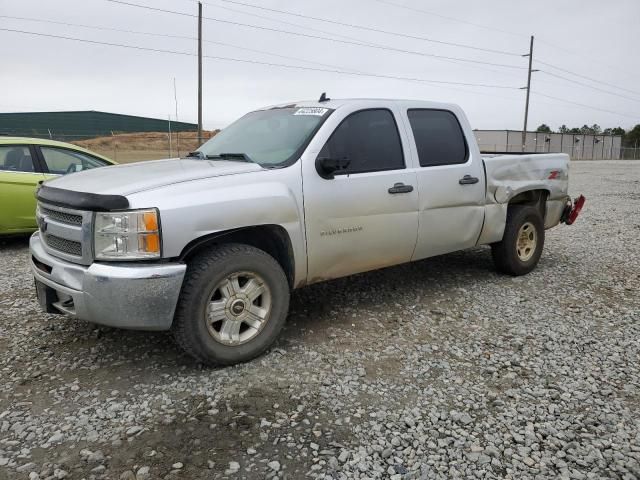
<point x="204" y="272"/>
<point x="505" y="253"/>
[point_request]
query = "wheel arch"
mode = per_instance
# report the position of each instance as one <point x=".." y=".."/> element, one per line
<point x="271" y="238"/>
<point x="496" y="213"/>
<point x="534" y="197"/>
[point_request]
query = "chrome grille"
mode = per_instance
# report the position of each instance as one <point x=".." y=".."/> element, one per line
<point x="66" y="232"/>
<point x="64" y="245"/>
<point x="61" y="216"/>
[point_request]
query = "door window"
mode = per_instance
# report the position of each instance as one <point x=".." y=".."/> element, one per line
<point x="369" y="139"/>
<point x="15" y="158"/>
<point x="438" y="137"/>
<point x="60" y="160"/>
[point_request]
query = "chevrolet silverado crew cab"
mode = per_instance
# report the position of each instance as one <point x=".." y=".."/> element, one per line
<point x="211" y="245"/>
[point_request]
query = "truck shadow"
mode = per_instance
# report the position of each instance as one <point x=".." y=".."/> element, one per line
<point x="14" y="241"/>
<point x="316" y="312"/>
<point x="384" y="292"/>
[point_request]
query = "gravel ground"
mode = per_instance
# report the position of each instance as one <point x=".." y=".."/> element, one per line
<point x="438" y="369"/>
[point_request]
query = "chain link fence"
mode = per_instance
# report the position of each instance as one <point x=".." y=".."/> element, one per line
<point x="135" y="147"/>
<point x="630" y="153"/>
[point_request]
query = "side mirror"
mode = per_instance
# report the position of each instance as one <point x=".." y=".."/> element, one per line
<point x="327" y="167"/>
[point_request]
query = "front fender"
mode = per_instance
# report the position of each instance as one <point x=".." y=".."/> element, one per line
<point x="197" y="209"/>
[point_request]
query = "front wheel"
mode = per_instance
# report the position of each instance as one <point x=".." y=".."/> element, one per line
<point x="233" y="304"/>
<point x="521" y="247"/>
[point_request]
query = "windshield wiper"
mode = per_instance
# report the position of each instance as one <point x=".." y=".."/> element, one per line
<point x="196" y="154"/>
<point x="231" y="156"/>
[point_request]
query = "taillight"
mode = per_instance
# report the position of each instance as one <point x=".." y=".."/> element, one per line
<point x="575" y="211"/>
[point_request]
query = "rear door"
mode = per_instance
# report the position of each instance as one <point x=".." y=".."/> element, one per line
<point x="451" y="182"/>
<point x="357" y="221"/>
<point x="19" y="176"/>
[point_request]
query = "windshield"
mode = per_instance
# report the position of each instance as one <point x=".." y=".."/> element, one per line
<point x="268" y="137"/>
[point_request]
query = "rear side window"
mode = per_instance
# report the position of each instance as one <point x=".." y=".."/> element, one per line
<point x="369" y="139"/>
<point x="16" y="158"/>
<point x="438" y="137"/>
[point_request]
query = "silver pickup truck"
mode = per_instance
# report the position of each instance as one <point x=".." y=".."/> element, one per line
<point x="211" y="245"/>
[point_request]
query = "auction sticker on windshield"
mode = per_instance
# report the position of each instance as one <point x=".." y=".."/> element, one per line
<point x="318" y="111"/>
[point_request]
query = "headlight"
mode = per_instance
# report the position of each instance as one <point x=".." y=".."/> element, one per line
<point x="132" y="235"/>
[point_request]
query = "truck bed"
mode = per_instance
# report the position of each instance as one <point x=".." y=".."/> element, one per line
<point x="509" y="175"/>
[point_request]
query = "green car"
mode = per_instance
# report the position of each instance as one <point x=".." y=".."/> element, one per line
<point x="24" y="162"/>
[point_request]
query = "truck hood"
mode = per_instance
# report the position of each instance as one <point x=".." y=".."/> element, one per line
<point x="137" y="177"/>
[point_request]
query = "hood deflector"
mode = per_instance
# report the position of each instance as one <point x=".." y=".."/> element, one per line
<point x="81" y="200"/>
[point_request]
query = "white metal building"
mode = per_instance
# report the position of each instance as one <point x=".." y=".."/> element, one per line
<point x="590" y="147"/>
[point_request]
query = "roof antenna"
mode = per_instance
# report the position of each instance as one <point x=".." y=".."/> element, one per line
<point x="323" y="97"/>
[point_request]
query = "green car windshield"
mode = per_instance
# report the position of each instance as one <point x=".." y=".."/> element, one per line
<point x="271" y="138"/>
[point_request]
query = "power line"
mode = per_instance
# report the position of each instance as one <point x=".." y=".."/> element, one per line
<point x="583" y="105"/>
<point x="585" y="77"/>
<point x="590" y="57"/>
<point x="588" y="86"/>
<point x="360" y="44"/>
<point x="270" y="19"/>
<point x="242" y="12"/>
<point x="440" y="83"/>
<point x="277" y="20"/>
<point x="453" y="19"/>
<point x="154" y="34"/>
<point x="487" y="27"/>
<point x="284" y="22"/>
<point x="336" y="71"/>
<point x="368" y="29"/>
<point x="256" y="62"/>
<point x="84" y="40"/>
<point x="96" y="27"/>
<point x="454" y="88"/>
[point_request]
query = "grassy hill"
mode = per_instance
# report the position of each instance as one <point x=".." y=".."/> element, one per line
<point x="135" y="147"/>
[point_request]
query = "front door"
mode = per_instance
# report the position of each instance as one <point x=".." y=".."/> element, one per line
<point x="18" y="180"/>
<point x="366" y="216"/>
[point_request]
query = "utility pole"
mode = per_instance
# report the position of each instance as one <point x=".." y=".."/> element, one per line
<point x="200" y="73"/>
<point x="169" y="121"/>
<point x="175" y="99"/>
<point x="528" y="89"/>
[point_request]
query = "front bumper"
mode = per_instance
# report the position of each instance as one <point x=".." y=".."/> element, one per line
<point x="141" y="296"/>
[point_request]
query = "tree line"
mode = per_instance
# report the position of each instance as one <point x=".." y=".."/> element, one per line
<point x="630" y="138"/>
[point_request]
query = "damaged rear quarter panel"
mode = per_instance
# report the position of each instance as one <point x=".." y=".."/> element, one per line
<point x="510" y="175"/>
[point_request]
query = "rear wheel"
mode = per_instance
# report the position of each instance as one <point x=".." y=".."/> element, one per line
<point x="521" y="247"/>
<point x="233" y="304"/>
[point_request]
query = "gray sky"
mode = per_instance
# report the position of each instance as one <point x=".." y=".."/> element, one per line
<point x="588" y="37"/>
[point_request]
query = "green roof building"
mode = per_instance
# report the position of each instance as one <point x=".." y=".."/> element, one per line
<point x="83" y="124"/>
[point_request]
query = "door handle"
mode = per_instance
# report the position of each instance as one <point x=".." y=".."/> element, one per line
<point x="468" y="180"/>
<point x="401" y="188"/>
